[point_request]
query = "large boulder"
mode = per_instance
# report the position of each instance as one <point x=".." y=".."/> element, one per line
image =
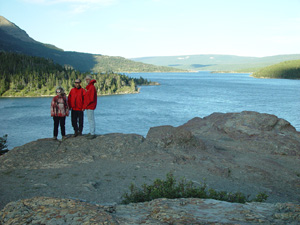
<point x="248" y="131"/>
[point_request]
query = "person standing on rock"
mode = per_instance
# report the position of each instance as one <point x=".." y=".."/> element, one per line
<point x="59" y="111"/>
<point x="75" y="101"/>
<point x="90" y="104"/>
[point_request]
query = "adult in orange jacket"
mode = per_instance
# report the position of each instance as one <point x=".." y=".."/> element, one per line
<point x="75" y="102"/>
<point x="90" y="104"/>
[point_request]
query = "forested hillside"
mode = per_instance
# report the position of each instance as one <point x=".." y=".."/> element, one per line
<point x="285" y="70"/>
<point x="22" y="75"/>
<point x="14" y="39"/>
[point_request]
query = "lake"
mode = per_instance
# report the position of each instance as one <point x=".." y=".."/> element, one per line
<point x="179" y="98"/>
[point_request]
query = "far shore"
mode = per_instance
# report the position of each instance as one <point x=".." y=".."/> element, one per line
<point x="120" y="93"/>
<point x="47" y="96"/>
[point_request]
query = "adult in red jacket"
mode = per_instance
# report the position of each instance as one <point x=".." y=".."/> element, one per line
<point x="90" y="104"/>
<point x="75" y="102"/>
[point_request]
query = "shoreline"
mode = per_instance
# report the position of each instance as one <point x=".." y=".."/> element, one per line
<point x="47" y="96"/>
<point x="120" y="93"/>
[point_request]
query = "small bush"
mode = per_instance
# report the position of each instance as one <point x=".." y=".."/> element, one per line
<point x="169" y="188"/>
<point x="3" y="144"/>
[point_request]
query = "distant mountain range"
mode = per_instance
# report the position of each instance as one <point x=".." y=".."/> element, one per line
<point x="14" y="39"/>
<point x="217" y="62"/>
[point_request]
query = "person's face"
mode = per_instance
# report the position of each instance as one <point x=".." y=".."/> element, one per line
<point x="58" y="92"/>
<point x="77" y="84"/>
<point x="87" y="80"/>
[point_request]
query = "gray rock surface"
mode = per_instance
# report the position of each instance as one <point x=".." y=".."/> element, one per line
<point x="41" y="210"/>
<point x="249" y="152"/>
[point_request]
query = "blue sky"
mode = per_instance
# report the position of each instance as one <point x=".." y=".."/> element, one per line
<point x="139" y="28"/>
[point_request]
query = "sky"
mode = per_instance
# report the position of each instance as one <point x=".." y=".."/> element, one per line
<point x="142" y="28"/>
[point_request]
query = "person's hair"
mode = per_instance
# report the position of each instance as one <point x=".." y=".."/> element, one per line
<point x="60" y="90"/>
<point x="88" y="77"/>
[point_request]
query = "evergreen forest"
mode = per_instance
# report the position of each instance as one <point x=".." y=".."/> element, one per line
<point x="30" y="76"/>
<point x="283" y="70"/>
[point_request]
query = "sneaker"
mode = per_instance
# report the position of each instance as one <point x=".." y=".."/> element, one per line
<point x="91" y="136"/>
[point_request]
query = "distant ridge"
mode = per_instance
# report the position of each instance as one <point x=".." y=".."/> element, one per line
<point x="13" y="30"/>
<point x="14" y="39"/>
<point x="216" y="62"/>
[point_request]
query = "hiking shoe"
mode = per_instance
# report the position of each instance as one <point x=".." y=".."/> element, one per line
<point x="54" y="138"/>
<point x="75" y="134"/>
<point x="80" y="134"/>
<point x="64" y="138"/>
<point x="91" y="136"/>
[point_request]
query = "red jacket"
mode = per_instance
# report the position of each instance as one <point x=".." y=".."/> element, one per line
<point x="75" y="99"/>
<point x="59" y="106"/>
<point x="90" y="97"/>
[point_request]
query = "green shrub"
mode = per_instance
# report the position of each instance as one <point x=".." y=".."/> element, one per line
<point x="169" y="188"/>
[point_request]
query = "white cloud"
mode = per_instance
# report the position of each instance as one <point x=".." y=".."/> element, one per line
<point x="76" y="6"/>
<point x="49" y="2"/>
<point x="77" y="9"/>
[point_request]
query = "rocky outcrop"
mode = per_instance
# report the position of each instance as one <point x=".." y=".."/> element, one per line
<point x="249" y="152"/>
<point x="42" y="210"/>
<point x="258" y="132"/>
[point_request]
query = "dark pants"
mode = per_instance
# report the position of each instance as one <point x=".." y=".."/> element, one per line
<point x="59" y="121"/>
<point x="77" y="120"/>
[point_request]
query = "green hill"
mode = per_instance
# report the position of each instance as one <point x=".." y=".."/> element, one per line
<point x="27" y="76"/>
<point x="217" y="62"/>
<point x="283" y="70"/>
<point x="14" y="39"/>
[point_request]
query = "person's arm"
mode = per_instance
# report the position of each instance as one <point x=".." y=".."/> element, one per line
<point x="69" y="99"/>
<point x="88" y="98"/>
<point x="52" y="107"/>
<point x="67" y="107"/>
<point x="83" y="92"/>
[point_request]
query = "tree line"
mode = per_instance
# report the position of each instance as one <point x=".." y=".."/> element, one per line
<point x="283" y="70"/>
<point x="29" y="76"/>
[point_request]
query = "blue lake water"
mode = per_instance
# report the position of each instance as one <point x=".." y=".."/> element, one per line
<point x="179" y="98"/>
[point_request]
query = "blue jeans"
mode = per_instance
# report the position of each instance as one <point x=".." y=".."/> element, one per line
<point x="91" y="119"/>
